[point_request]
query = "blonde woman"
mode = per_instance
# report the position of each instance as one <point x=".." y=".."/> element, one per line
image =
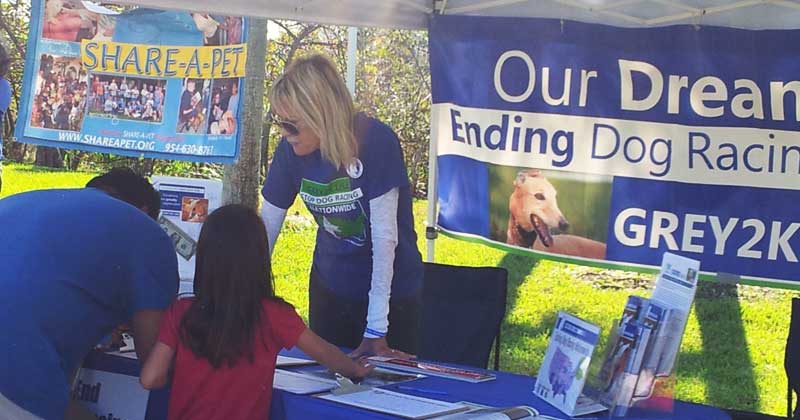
<point x="348" y="169"/>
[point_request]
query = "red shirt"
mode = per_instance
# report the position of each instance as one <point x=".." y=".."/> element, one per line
<point x="242" y="392"/>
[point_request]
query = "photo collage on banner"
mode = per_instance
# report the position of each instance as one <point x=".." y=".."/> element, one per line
<point x="610" y="146"/>
<point x="140" y="82"/>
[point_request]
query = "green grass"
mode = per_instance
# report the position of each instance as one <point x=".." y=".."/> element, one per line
<point x="732" y="350"/>
<point x="18" y="178"/>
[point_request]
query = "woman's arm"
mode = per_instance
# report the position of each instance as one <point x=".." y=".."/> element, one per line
<point x="330" y="356"/>
<point x="383" y="225"/>
<point x="155" y="372"/>
<point x="273" y="217"/>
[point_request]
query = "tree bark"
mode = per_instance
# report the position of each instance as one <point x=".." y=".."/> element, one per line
<point x="49" y="157"/>
<point x="240" y="183"/>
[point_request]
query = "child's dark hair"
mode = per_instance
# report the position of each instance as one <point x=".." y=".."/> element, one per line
<point x="231" y="280"/>
<point x="124" y="184"/>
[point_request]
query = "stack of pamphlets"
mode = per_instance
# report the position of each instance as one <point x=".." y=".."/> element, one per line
<point x="566" y="362"/>
<point x="431" y="369"/>
<point x="639" y="366"/>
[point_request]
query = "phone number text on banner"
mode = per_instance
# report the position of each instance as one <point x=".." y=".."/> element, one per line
<point x="145" y="83"/>
<point x="609" y="146"/>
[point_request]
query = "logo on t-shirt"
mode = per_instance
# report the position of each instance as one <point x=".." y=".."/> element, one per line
<point x="337" y="208"/>
<point x="355" y="168"/>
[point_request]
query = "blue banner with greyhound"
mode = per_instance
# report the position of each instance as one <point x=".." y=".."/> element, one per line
<point x="609" y="146"/>
<point x="141" y="82"/>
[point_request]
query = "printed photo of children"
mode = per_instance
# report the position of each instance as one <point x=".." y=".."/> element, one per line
<point x="128" y="98"/>
<point x="217" y="29"/>
<point x="193" y="108"/>
<point x="69" y="20"/>
<point x="59" y="94"/>
<point x="224" y="107"/>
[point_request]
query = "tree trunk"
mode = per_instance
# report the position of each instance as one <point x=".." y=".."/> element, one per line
<point x="49" y="157"/>
<point x="240" y="183"/>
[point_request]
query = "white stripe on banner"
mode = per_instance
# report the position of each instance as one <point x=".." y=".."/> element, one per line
<point x="640" y="149"/>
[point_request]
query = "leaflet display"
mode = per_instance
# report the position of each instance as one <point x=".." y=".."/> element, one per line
<point x="639" y="368"/>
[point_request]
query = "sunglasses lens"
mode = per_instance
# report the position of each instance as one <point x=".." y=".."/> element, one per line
<point x="287" y="126"/>
<point x="290" y="128"/>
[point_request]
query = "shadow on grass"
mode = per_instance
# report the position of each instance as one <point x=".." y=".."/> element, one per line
<point x="513" y="335"/>
<point x="722" y="332"/>
<point x="519" y="267"/>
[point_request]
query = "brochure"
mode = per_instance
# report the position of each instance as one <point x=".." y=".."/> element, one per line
<point x="376" y="377"/>
<point x="639" y="366"/>
<point x="297" y="383"/>
<point x="432" y="369"/>
<point x="395" y="403"/>
<point x="563" y="373"/>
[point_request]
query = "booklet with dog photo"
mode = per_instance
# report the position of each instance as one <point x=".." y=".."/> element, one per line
<point x="563" y="373"/>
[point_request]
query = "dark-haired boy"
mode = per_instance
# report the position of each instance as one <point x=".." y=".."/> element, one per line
<point x="75" y="264"/>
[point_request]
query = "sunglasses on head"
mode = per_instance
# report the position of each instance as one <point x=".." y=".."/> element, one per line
<point x="287" y="126"/>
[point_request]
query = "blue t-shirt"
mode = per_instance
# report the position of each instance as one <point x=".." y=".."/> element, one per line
<point x="5" y="102"/>
<point x="75" y="264"/>
<point x="340" y="205"/>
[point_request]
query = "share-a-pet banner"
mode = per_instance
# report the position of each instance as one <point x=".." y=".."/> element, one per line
<point x="609" y="146"/>
<point x="142" y="82"/>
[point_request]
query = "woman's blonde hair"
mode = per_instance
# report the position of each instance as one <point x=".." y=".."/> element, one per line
<point x="312" y="89"/>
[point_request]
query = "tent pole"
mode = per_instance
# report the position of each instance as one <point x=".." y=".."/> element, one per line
<point x="430" y="223"/>
<point x="352" y="58"/>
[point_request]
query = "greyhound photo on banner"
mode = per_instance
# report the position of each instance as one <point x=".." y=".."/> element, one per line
<point x="609" y="146"/>
<point x="143" y="82"/>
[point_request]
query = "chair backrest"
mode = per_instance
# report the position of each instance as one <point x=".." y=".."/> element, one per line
<point x="791" y="359"/>
<point x="462" y="309"/>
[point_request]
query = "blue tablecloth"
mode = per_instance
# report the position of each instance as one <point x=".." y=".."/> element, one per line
<point x="507" y="390"/>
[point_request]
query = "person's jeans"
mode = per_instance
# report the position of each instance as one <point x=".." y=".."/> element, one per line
<point x="341" y="321"/>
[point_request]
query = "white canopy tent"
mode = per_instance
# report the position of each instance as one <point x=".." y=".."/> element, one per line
<point x="413" y="14"/>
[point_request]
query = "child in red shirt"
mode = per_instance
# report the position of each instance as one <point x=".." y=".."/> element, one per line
<point x="225" y="340"/>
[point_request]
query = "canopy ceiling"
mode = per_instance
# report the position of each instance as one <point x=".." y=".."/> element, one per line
<point x="413" y="14"/>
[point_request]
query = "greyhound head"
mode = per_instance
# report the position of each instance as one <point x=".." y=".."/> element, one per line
<point x="534" y="208"/>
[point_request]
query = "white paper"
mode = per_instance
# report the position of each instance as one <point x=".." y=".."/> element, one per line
<point x="395" y="403"/>
<point x="293" y="361"/>
<point x="677" y="282"/>
<point x="298" y="383"/>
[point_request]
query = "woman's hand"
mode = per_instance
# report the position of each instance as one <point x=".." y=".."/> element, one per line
<point x="378" y="347"/>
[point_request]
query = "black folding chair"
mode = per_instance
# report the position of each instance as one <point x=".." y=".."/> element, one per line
<point x="791" y="360"/>
<point x="462" y="310"/>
